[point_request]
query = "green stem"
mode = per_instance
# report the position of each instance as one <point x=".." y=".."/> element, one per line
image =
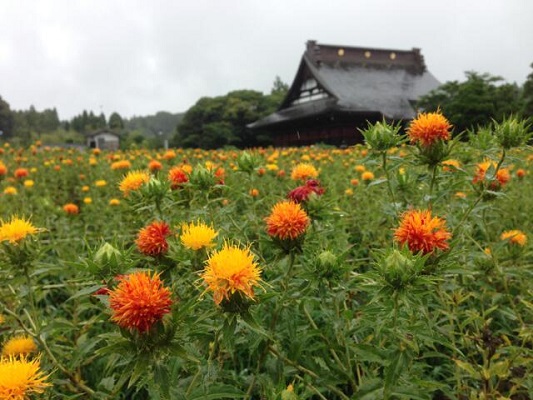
<point x="273" y="322"/>
<point x="432" y="184"/>
<point x="31" y="295"/>
<point x="395" y="313"/>
<point x="387" y="175"/>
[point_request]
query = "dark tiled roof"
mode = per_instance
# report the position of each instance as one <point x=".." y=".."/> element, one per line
<point x="362" y="80"/>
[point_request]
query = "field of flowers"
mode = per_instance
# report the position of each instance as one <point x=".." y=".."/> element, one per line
<point x="397" y="269"/>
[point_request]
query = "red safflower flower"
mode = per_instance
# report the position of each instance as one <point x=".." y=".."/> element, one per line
<point x="177" y="177"/>
<point x="21" y="173"/>
<point x="139" y="301"/>
<point x="287" y="220"/>
<point x="151" y="239"/>
<point x="302" y="193"/>
<point x="428" y="128"/>
<point x="421" y="232"/>
<point x="220" y="174"/>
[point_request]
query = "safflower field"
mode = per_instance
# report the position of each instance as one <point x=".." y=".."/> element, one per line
<point x="396" y="269"/>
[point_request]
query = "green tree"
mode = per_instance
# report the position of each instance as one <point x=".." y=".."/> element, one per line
<point x="115" y="122"/>
<point x="215" y="122"/>
<point x="475" y="102"/>
<point x="527" y="96"/>
<point x="6" y="119"/>
<point x="152" y="125"/>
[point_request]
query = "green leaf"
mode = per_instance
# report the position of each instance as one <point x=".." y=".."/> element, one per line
<point x="215" y="392"/>
<point x="393" y="371"/>
<point x="84" y="292"/>
<point x="370" y="353"/>
<point x="468" y="368"/>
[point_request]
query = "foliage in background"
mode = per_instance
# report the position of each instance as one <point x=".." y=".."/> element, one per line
<point x="215" y="122"/>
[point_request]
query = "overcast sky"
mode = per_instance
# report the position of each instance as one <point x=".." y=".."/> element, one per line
<point x="140" y="57"/>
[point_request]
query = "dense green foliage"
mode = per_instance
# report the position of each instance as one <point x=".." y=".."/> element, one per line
<point x="215" y="122"/>
<point x="527" y="96"/>
<point x="6" y="119"/>
<point x="162" y="123"/>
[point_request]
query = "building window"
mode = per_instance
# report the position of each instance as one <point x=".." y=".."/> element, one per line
<point x="368" y="54"/>
<point x="310" y="90"/>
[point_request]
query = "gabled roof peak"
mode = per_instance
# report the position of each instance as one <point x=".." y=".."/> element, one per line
<point x="338" y="55"/>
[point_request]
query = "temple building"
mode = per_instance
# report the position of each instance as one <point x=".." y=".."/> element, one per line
<point x="339" y="89"/>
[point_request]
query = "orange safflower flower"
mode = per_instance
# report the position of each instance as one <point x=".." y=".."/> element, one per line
<point x="230" y="270"/>
<point x="421" y="232"/>
<point x="520" y="173"/>
<point x="122" y="164"/>
<point x="428" y="128"/>
<point x="152" y="239"/>
<point x="3" y="169"/>
<point x="515" y="237"/>
<point x="287" y="220"/>
<point x="503" y="175"/>
<point x="21" y="173"/>
<point x="155" y="165"/>
<point x="169" y="155"/>
<point x="177" y="177"/>
<point x="133" y="181"/>
<point x="139" y="301"/>
<point x="303" y="172"/>
<point x="71" y="208"/>
<point x="367" y="176"/>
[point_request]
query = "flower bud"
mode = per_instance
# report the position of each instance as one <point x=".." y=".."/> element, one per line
<point x="327" y="260"/>
<point x="382" y="136"/>
<point x="511" y="132"/>
<point x="247" y="162"/>
<point x="108" y="259"/>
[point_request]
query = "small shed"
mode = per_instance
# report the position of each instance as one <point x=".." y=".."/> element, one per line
<point x="338" y="89"/>
<point x="103" y="140"/>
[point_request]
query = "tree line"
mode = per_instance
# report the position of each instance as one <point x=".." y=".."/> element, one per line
<point x="214" y="122"/>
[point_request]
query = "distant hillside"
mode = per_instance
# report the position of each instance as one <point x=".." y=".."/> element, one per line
<point x="151" y="125"/>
